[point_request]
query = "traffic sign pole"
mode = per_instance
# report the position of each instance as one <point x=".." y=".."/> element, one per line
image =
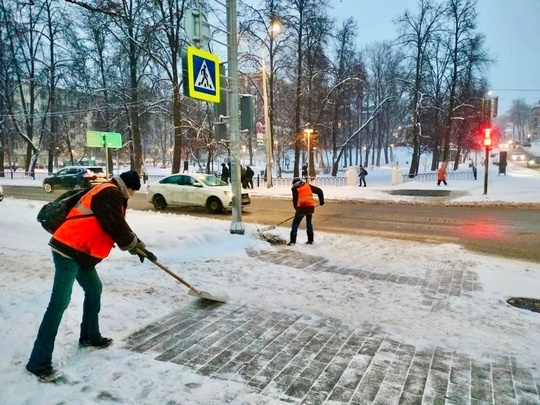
<point x="237" y="227"/>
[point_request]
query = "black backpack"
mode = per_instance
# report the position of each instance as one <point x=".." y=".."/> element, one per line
<point x="54" y="213"/>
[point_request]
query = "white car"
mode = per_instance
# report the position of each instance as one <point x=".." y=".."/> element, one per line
<point x="193" y="190"/>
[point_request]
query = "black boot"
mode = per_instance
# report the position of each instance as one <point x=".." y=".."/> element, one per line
<point x="293" y="239"/>
<point x="100" y="343"/>
<point x="309" y="238"/>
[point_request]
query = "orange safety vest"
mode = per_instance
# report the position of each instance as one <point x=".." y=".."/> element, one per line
<point x="85" y="234"/>
<point x="305" y="196"/>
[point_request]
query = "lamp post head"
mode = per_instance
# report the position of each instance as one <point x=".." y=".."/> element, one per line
<point x="275" y="27"/>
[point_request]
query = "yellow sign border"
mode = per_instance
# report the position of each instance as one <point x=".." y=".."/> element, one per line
<point x="192" y="75"/>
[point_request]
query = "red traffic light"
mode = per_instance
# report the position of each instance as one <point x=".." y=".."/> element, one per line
<point x="487" y="137"/>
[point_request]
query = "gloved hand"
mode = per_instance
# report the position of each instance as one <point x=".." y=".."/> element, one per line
<point x="149" y="255"/>
<point x="322" y="203"/>
<point x="140" y="250"/>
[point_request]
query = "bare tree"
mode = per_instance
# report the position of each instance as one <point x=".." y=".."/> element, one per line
<point x="519" y="116"/>
<point x="383" y="63"/>
<point x="24" y="36"/>
<point x="303" y="19"/>
<point x="168" y="40"/>
<point x="416" y="33"/>
<point x="347" y="81"/>
<point x="128" y="26"/>
<point x="462" y="16"/>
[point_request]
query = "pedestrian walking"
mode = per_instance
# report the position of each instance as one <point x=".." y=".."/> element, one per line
<point x="441" y="175"/>
<point x="362" y="173"/>
<point x="243" y="179"/>
<point x="224" y="173"/>
<point x="91" y="230"/>
<point x="249" y="177"/>
<point x="304" y="204"/>
<point x="305" y="171"/>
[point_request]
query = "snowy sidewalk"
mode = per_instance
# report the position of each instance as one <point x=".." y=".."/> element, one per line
<point x="305" y="359"/>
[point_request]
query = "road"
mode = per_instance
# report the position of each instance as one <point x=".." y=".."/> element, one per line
<point x="506" y="231"/>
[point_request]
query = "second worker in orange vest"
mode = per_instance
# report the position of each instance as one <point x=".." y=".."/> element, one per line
<point x="304" y="204"/>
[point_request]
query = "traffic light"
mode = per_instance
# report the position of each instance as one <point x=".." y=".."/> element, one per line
<point x="486" y="110"/>
<point x="487" y="137"/>
<point x="246" y="113"/>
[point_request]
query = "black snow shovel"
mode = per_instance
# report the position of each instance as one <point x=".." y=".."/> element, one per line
<point x="192" y="290"/>
<point x="270" y="228"/>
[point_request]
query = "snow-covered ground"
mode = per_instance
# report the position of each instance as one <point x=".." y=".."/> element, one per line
<point x="205" y="253"/>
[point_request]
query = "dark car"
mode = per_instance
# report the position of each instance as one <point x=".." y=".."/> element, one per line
<point x="534" y="162"/>
<point x="75" y="177"/>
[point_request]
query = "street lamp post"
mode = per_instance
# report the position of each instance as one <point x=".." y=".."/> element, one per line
<point x="274" y="29"/>
<point x="308" y="131"/>
<point x="267" y="128"/>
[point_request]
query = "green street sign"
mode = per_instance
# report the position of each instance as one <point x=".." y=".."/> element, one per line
<point x="98" y="139"/>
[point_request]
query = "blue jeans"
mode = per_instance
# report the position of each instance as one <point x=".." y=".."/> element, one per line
<point x="296" y="223"/>
<point x="66" y="272"/>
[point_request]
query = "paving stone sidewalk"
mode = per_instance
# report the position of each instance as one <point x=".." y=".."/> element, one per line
<point x="304" y="359"/>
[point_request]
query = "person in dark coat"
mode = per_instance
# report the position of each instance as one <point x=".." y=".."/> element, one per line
<point x="304" y="171"/>
<point x="362" y="173"/>
<point x="304" y="204"/>
<point x="225" y="173"/>
<point x="243" y="180"/>
<point x="249" y="177"/>
<point x="88" y="235"/>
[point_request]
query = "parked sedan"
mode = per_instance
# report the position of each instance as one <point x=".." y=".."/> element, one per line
<point x="75" y="177"/>
<point x="195" y="190"/>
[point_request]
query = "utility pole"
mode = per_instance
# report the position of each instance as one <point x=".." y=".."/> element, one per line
<point x="237" y="227"/>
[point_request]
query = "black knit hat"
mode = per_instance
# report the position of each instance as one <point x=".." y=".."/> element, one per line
<point x="297" y="182"/>
<point x="131" y="179"/>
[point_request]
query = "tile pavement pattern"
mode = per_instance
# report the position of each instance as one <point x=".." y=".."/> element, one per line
<point x="302" y="359"/>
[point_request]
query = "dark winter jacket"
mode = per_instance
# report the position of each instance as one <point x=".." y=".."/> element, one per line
<point x="249" y="173"/>
<point x="225" y="173"/>
<point x="302" y="197"/>
<point x="108" y="206"/>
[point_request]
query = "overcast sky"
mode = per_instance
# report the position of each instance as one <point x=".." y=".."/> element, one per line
<point x="512" y="30"/>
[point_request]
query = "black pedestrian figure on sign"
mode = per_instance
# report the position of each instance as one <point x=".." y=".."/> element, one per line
<point x="204" y="81"/>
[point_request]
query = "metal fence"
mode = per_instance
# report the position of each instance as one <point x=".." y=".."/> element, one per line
<point x="432" y="177"/>
<point x="260" y="181"/>
<point x="318" y="181"/>
<point x="21" y="175"/>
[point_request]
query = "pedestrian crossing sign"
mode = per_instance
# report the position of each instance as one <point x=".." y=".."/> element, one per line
<point x="202" y="75"/>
